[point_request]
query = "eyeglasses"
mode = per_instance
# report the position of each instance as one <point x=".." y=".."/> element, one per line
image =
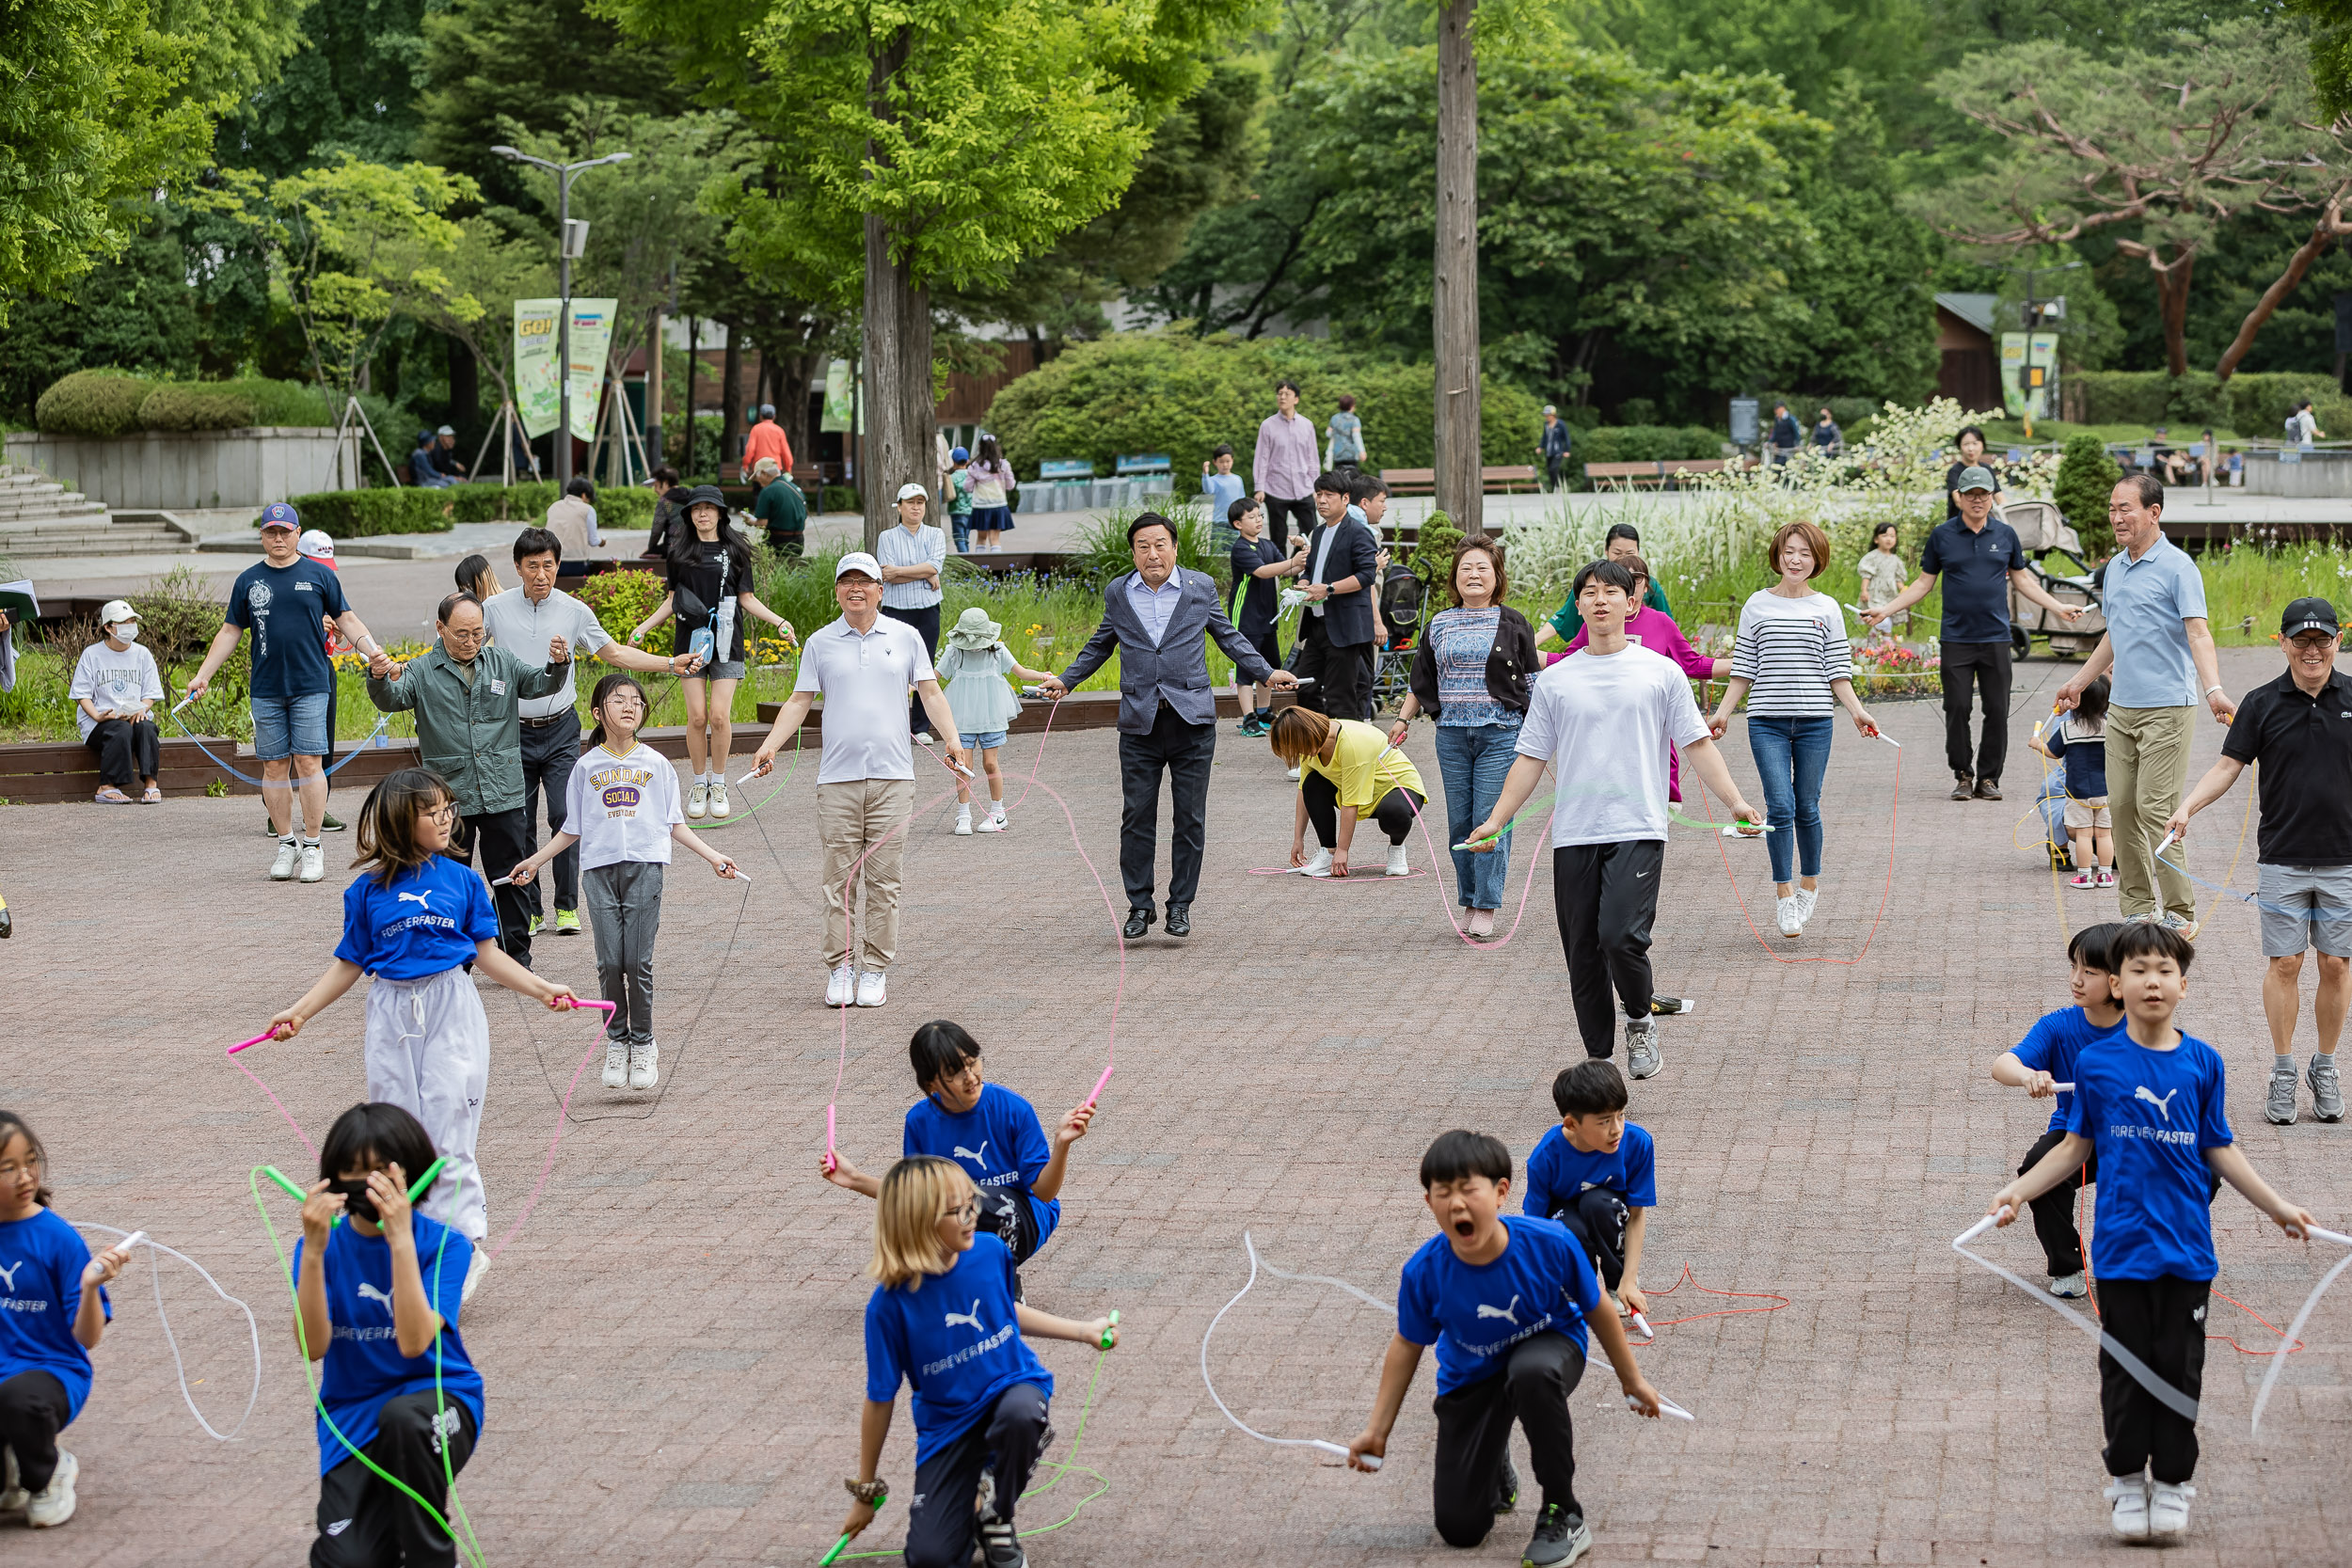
<point x="445" y="811"/>
<point x="2314" y="640"/>
<point x="970" y="1209"/>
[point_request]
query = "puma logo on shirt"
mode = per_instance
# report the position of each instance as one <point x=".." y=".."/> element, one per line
<point x="423" y="900"/>
<point x="970" y="1319"/>
<point x="9" y="1275"/>
<point x="369" y="1292"/>
<point x="1508" y="1314"/>
<point x="2164" y="1107"/>
<point x="979" y="1157"/>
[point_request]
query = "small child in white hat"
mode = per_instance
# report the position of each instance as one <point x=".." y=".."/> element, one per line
<point x="975" y="663"/>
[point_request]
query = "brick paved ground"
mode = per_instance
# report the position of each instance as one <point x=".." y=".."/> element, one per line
<point x="672" y="1346"/>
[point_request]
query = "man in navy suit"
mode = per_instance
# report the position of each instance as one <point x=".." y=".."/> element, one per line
<point x="1335" y="633"/>
<point x="1154" y="616"/>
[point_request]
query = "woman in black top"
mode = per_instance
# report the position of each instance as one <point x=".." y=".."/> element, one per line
<point x="1972" y="456"/>
<point x="710" y="568"/>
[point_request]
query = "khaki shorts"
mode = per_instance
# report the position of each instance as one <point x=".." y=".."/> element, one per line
<point x="2087" y="814"/>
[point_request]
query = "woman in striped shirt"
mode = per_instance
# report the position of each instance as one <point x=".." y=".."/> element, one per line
<point x="1792" y="662"/>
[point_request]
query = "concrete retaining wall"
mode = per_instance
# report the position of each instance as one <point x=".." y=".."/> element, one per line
<point x="192" y="471"/>
<point x="2319" y="475"/>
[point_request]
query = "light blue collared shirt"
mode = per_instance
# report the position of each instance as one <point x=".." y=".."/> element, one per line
<point x="2145" y="602"/>
<point x="897" y="547"/>
<point x="1153" y="607"/>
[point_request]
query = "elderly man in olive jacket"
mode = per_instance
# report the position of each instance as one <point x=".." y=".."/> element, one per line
<point x="466" y="699"/>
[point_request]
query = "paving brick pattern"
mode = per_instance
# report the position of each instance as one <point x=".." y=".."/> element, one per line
<point x="673" y="1345"/>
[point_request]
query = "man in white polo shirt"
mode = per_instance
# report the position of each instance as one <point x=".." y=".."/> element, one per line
<point x="864" y="665"/>
<point x="522" y="621"/>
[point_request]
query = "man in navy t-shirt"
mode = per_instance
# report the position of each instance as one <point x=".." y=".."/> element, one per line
<point x="282" y="601"/>
<point x="1259" y="566"/>
<point x="1980" y="559"/>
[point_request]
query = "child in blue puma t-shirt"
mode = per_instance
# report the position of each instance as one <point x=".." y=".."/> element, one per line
<point x="1597" y="1174"/>
<point x="1506" y="1301"/>
<point x="989" y="1130"/>
<point x="942" y="1319"/>
<point x="2148" y="1103"/>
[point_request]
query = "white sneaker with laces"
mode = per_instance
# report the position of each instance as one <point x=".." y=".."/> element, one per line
<point x="1807" y="898"/>
<point x="2068" y="1287"/>
<point x="1292" y="775"/>
<point x="698" y="800"/>
<point x="994" y="821"/>
<point x="719" y="806"/>
<point x="313" y="863"/>
<point x="1397" y="864"/>
<point x="54" y="1503"/>
<point x="289" y="856"/>
<point x="963" y="821"/>
<point x="841" y="990"/>
<point x="873" y="990"/>
<point x="2167" y="1510"/>
<point x="474" y="1271"/>
<point x="2129" y="1494"/>
<point x="645" y="1065"/>
<point x="12" y="1494"/>
<point x="1318" y="864"/>
<point x="1790" y="924"/>
<point x="616" y="1066"/>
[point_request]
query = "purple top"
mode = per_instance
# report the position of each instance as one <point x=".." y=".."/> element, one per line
<point x="1285" y="462"/>
<point x="1656" y="630"/>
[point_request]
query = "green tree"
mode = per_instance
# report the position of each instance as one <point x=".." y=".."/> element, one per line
<point x="352" y="87"/>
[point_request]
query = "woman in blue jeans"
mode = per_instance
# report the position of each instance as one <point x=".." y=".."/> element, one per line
<point x="1471" y="675"/>
<point x="1792" y="662"/>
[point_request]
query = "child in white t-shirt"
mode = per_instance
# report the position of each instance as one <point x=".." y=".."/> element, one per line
<point x="624" y="812"/>
<point x="975" y="662"/>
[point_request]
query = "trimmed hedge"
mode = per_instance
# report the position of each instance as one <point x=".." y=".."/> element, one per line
<point x="363" y="514"/>
<point x="1171" y="392"/>
<point x="103" y="403"/>
<point x="2255" y="405"/>
<point x="1643" y="443"/>
<point x="108" y="404"/>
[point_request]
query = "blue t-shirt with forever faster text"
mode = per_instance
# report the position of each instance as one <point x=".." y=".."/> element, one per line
<point x="282" y="607"/>
<point x="2151" y="1116"/>
<point x="425" y="920"/>
<point x="998" y="1142"/>
<point x="41" y="1260"/>
<point x="1475" y="1312"/>
<point x="2052" y="1045"/>
<point x="1557" y="1172"/>
<point x="952" y="1336"/>
<point x="1973" y="570"/>
<point x="363" y="1366"/>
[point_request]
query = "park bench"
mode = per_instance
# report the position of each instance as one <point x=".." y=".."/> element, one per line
<point x="1624" y="476"/>
<point x="1424" y="482"/>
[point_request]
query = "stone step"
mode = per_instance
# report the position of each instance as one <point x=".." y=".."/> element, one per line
<point x="82" y="510"/>
<point x="51" y="548"/>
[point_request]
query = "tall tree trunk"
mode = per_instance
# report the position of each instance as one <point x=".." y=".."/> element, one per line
<point x="693" y="366"/>
<point x="2330" y="228"/>
<point x="2172" y="278"/>
<point x="465" y="391"/>
<point x="1454" y="318"/>
<point x="731" y="400"/>
<point x="901" y="409"/>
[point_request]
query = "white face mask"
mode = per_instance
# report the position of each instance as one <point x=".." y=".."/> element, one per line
<point x="127" y="632"/>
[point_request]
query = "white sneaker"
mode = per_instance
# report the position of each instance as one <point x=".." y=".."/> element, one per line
<point x="474" y="1271"/>
<point x="289" y="856"/>
<point x="1791" y="924"/>
<point x="841" y="990"/>
<point x="963" y="822"/>
<point x="927" y="737"/>
<point x="54" y="1503"/>
<point x="12" y="1494"/>
<point x="993" y="822"/>
<point x="616" y="1066"/>
<point x="2167" y="1510"/>
<point x="1318" y="864"/>
<point x="1806" y="898"/>
<point x="719" y="806"/>
<point x="1292" y="775"/>
<point x="2070" y="1287"/>
<point x="871" y="988"/>
<point x="645" y="1065"/>
<point x="2129" y="1494"/>
<point x="1397" y="866"/>
<point x="313" y="863"/>
<point x="698" y="800"/>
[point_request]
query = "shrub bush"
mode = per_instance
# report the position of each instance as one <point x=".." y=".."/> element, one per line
<point x="177" y="405"/>
<point x="2259" y="405"/>
<point x="1643" y="443"/>
<point x="2086" y="477"/>
<point x="359" y="513"/>
<point x="623" y="599"/>
<point x="1170" y="392"/>
<point x="102" y="404"/>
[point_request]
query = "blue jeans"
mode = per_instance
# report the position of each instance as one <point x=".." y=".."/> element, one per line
<point x="1473" y="759"/>
<point x="1792" y="754"/>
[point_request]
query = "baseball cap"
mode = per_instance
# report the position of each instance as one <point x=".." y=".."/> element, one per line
<point x="1976" y="477"/>
<point x="857" y="560"/>
<point x="279" y="515"/>
<point x="116" y="611"/>
<point x="2302" y="615"/>
<point x="911" y="489"/>
<point x="958" y="455"/>
<point x="318" y="544"/>
<point x="445" y="430"/>
<point x="1550" y="409"/>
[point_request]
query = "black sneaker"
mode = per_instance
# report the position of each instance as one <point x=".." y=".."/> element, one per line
<point x="1988" y="789"/>
<point x="1506" y="1487"/>
<point x="1964" y="785"/>
<point x="999" y="1546"/>
<point x="328" y="823"/>
<point x="1560" y="1538"/>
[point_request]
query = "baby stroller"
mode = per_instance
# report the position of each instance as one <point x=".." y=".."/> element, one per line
<point x="1401" y="596"/>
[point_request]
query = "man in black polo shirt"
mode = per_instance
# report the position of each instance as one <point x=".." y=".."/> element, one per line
<point x="2298" y="728"/>
<point x="1978" y="559"/>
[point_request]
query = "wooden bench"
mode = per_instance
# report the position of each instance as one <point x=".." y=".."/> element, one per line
<point x="1424" y="482"/>
<point x="1625" y="476"/>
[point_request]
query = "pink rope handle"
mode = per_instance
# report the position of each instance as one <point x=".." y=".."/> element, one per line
<point x="563" y="1117"/>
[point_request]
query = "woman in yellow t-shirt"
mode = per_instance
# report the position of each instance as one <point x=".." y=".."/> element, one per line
<point x="1346" y="772"/>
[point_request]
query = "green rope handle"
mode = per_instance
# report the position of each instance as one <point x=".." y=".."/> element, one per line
<point x="466" y="1544"/>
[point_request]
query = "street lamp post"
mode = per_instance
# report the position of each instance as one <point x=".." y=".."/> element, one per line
<point x="568" y="247"/>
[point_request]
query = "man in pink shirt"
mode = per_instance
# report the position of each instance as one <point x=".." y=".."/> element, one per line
<point x="1284" y="465"/>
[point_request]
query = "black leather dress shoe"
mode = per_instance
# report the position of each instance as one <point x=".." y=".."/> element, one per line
<point x="1179" y="920"/>
<point x="1138" y="921"/>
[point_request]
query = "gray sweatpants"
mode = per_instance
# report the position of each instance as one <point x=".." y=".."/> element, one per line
<point x="428" y="1052"/>
<point x="623" y="902"/>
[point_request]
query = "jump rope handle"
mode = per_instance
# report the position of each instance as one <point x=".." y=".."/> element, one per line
<point x="843" y="1545"/>
<point x="1643" y="1324"/>
<point x="2163" y="844"/>
<point x="287" y="1184"/>
<point x="1106" y="1342"/>
<point x="1370" y="1460"/>
<point x="127" y="1242"/>
<point x="1983" y="1225"/>
<point x="832" y="1164"/>
<point x="269" y="1033"/>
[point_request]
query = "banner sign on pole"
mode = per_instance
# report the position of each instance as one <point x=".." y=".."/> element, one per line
<point x="535" y="393"/>
<point x="841" y="398"/>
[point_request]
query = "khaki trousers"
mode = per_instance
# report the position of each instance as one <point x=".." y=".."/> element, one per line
<point x="2147" y="764"/>
<point x="853" y="818"/>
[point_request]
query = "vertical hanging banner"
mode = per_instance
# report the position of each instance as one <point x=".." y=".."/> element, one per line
<point x="535" y="396"/>
<point x="592" y="340"/>
<point x="841" y="403"/>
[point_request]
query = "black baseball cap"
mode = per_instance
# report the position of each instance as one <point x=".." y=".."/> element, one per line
<point x="2309" y="615"/>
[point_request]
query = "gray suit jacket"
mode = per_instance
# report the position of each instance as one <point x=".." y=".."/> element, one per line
<point x="1176" y="671"/>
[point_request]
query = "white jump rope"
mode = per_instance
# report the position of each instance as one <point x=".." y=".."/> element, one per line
<point x="135" y="1238"/>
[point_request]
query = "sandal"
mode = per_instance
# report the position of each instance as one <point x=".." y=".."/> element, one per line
<point x="110" y="796"/>
<point x="154" y="796"/>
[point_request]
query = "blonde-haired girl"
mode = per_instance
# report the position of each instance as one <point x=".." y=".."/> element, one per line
<point x="942" y="1319"/>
